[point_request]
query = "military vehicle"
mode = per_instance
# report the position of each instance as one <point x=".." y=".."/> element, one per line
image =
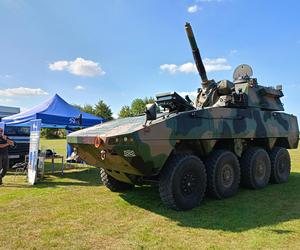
<point x="234" y="132"/>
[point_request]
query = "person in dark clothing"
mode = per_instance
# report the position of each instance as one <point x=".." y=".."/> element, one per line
<point x="4" y="144"/>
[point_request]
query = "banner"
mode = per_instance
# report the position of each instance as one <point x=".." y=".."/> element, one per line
<point x="35" y="130"/>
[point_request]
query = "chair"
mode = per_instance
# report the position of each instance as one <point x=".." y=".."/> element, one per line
<point x="20" y="168"/>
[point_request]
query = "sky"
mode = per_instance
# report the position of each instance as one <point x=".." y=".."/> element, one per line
<point x="119" y="50"/>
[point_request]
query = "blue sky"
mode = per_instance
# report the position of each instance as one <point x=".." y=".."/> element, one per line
<point x="118" y="50"/>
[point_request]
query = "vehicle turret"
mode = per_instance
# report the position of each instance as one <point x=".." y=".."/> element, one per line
<point x="243" y="92"/>
<point x="255" y="95"/>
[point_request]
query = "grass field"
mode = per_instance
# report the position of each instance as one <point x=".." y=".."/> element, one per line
<point x="75" y="211"/>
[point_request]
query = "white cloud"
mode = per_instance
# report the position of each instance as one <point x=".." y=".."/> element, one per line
<point x="79" y="67"/>
<point x="183" y="68"/>
<point x="216" y="64"/>
<point x="79" y="87"/>
<point x="171" y="68"/>
<point x="211" y="65"/>
<point x="59" y="65"/>
<point x="22" y="91"/>
<point x="194" y="8"/>
<point x="187" y="68"/>
<point x="191" y="94"/>
<point x="5" y="100"/>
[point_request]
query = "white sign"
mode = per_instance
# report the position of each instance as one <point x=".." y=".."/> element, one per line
<point x="35" y="130"/>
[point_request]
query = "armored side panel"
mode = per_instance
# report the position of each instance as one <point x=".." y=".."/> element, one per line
<point x="130" y="148"/>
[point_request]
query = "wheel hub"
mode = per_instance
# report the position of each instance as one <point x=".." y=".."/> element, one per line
<point x="189" y="183"/>
<point x="282" y="166"/>
<point x="227" y="175"/>
<point x="260" y="170"/>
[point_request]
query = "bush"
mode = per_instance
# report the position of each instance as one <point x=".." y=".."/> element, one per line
<point x="53" y="133"/>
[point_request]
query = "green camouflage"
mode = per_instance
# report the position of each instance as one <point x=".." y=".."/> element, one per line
<point x="147" y="148"/>
<point x="227" y="115"/>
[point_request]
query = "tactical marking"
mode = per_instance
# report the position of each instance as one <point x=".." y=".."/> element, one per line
<point x="129" y="153"/>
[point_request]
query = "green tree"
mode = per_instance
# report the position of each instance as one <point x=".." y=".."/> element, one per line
<point x="149" y="100"/>
<point x="125" y="112"/>
<point x="138" y="106"/>
<point x="103" y="110"/>
<point x="53" y="133"/>
<point x="88" y="109"/>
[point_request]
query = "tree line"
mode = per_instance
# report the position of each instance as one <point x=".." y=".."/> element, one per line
<point x="100" y="109"/>
<point x="103" y="110"/>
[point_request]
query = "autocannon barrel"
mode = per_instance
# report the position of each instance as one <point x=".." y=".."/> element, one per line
<point x="196" y="53"/>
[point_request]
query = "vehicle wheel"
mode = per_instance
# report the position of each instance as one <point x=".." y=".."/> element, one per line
<point x="182" y="182"/>
<point x="255" y="168"/>
<point x="113" y="184"/>
<point x="280" y="165"/>
<point x="223" y="174"/>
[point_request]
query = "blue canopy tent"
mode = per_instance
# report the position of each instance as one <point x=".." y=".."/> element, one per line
<point x="54" y="113"/>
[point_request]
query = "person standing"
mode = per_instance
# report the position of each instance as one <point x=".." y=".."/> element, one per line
<point x="4" y="144"/>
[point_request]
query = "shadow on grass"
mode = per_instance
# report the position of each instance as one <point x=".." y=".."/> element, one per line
<point x="249" y="209"/>
<point x="75" y="176"/>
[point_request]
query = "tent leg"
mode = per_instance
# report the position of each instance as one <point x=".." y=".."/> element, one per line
<point x="52" y="164"/>
<point x="63" y="166"/>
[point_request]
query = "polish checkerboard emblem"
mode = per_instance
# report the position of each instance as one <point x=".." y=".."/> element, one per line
<point x="129" y="153"/>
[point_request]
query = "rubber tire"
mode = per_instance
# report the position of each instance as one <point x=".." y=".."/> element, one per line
<point x="278" y="154"/>
<point x="216" y="160"/>
<point x="248" y="164"/>
<point x="171" y="178"/>
<point x="113" y="184"/>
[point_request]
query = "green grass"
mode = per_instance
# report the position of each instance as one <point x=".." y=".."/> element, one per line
<point x="58" y="145"/>
<point x="75" y="211"/>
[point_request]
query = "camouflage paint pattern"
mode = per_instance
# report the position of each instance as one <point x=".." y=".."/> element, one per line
<point x="132" y="148"/>
<point x="261" y="97"/>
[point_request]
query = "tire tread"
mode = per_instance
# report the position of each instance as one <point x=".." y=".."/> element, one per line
<point x="113" y="184"/>
<point x="166" y="176"/>
<point x="273" y="157"/>
<point x="246" y="167"/>
<point x="211" y="169"/>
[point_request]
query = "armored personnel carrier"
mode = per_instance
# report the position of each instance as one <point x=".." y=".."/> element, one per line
<point x="234" y="133"/>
